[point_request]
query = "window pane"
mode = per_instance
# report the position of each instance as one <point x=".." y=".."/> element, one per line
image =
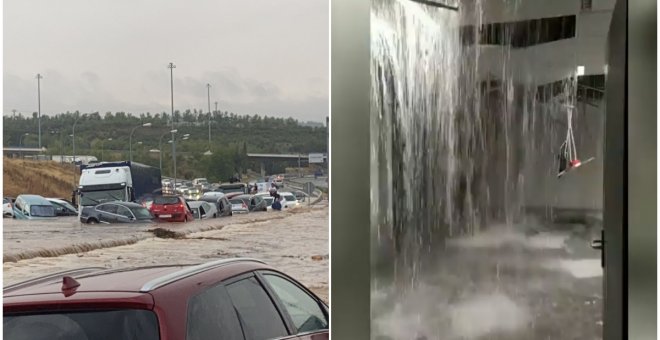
<point x="211" y="315"/>
<point x="142" y="213"/>
<point x="42" y="211"/>
<point x="124" y="211"/>
<point x="256" y="311"/>
<point x="305" y="312"/>
<point x="106" y="325"/>
<point x="166" y="200"/>
<point x="110" y="208"/>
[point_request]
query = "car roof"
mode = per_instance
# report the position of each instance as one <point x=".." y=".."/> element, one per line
<point x="243" y="196"/>
<point x="58" y="200"/>
<point x="131" y="279"/>
<point x="214" y="194"/>
<point x="33" y="199"/>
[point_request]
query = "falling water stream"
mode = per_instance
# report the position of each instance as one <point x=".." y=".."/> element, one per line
<point x="454" y="158"/>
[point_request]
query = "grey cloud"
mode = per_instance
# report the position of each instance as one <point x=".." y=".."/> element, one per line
<point x="113" y="55"/>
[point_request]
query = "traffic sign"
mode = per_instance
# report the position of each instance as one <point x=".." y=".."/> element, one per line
<point x="309" y="188"/>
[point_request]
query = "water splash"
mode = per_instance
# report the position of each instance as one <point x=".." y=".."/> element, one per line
<point x="463" y="140"/>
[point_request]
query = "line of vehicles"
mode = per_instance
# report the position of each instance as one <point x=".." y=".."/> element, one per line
<point x="234" y="298"/>
<point x="129" y="192"/>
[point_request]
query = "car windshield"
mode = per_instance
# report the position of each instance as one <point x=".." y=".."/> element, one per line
<point x="289" y="198"/>
<point x="141" y="213"/>
<point x="97" y="197"/>
<point x="166" y="200"/>
<point x="236" y="201"/>
<point x="103" y="325"/>
<point x="42" y="211"/>
<point x="269" y="200"/>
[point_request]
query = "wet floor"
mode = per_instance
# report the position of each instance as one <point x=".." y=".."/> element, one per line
<point x="500" y="285"/>
<point x="295" y="242"/>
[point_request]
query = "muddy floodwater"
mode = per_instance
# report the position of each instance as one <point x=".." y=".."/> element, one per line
<point x="295" y="242"/>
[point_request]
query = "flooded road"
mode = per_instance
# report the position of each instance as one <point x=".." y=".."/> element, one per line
<point x="295" y="242"/>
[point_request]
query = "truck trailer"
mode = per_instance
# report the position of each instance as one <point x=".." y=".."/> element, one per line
<point x="117" y="181"/>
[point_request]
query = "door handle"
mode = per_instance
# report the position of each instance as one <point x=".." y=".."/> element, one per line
<point x="597" y="244"/>
<point x="600" y="245"/>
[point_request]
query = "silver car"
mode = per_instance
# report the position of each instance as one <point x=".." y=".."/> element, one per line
<point x="202" y="210"/>
<point x="238" y="206"/>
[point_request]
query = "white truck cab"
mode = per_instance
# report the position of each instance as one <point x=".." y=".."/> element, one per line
<point x="100" y="185"/>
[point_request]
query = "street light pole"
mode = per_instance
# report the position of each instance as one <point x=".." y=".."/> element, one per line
<point x="130" y="140"/>
<point x="103" y="147"/>
<point x="160" y="148"/>
<point x="174" y="150"/>
<point x="208" y="88"/>
<point x="53" y="133"/>
<point x="20" y="143"/>
<point x="171" y="66"/>
<point x="74" y="150"/>
<point x="39" y="104"/>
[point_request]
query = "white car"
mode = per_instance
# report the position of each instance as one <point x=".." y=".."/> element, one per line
<point x="288" y="200"/>
<point x="203" y="210"/>
<point x="7" y="209"/>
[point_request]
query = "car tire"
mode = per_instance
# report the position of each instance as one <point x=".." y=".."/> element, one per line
<point x="185" y="219"/>
<point x="92" y="221"/>
<point x="214" y="215"/>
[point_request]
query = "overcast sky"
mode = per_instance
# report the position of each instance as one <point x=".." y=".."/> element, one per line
<point x="266" y="57"/>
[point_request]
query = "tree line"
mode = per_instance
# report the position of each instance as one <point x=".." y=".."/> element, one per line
<point x="106" y="136"/>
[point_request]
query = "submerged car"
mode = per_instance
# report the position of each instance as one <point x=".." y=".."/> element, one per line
<point x="253" y="202"/>
<point x="225" y="299"/>
<point x="171" y="209"/>
<point x="289" y="200"/>
<point x="7" y="207"/>
<point x="301" y="196"/>
<point x="28" y="207"/>
<point x="116" y="212"/>
<point x="221" y="202"/>
<point x="238" y="206"/>
<point x="62" y="207"/>
<point x="202" y="210"/>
